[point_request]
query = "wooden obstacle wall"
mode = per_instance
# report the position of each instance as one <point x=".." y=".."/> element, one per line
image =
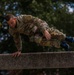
<point x="39" y="60"/>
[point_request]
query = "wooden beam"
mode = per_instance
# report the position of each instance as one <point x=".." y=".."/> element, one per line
<point x="39" y="60"/>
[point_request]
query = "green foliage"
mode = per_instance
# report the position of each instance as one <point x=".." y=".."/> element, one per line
<point x="55" y="13"/>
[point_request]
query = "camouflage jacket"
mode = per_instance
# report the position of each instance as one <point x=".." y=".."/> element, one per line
<point x="28" y="25"/>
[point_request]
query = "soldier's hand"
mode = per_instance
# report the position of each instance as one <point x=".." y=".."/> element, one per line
<point x="47" y="35"/>
<point x="16" y="54"/>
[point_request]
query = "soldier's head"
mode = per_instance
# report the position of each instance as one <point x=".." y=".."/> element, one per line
<point x="11" y="20"/>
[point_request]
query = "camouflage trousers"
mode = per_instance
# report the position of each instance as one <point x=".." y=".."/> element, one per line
<point x="56" y="38"/>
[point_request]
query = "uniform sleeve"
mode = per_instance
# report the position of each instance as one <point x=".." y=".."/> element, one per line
<point x="27" y="18"/>
<point x="42" y="25"/>
<point x="17" y="40"/>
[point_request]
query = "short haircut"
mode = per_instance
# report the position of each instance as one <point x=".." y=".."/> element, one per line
<point x="8" y="17"/>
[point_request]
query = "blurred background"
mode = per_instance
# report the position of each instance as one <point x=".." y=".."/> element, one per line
<point x="57" y="13"/>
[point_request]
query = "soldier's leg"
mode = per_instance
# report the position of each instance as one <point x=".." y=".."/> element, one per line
<point x="61" y="37"/>
<point x="56" y="34"/>
<point x="43" y="42"/>
<point x="56" y="41"/>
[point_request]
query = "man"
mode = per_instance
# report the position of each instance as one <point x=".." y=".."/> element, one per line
<point x="37" y="30"/>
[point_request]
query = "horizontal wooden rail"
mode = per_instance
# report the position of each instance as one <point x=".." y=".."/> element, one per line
<point x="39" y="60"/>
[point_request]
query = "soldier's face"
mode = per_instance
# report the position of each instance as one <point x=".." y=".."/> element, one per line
<point x="12" y="22"/>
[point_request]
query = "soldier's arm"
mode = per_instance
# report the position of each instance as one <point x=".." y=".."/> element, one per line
<point x="18" y="41"/>
<point x="43" y="27"/>
<point x="47" y="35"/>
<point x="27" y="18"/>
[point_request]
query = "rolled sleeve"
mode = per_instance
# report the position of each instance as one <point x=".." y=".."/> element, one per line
<point x="42" y="25"/>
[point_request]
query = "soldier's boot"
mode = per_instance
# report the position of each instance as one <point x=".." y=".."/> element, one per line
<point x="70" y="39"/>
<point x="65" y="46"/>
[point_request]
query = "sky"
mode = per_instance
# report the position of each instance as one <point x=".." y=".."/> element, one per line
<point x="71" y="9"/>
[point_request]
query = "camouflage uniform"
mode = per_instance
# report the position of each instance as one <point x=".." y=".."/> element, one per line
<point x="34" y="28"/>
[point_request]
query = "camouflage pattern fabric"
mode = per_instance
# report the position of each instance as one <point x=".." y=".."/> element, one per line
<point x="32" y="27"/>
<point x="56" y="38"/>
